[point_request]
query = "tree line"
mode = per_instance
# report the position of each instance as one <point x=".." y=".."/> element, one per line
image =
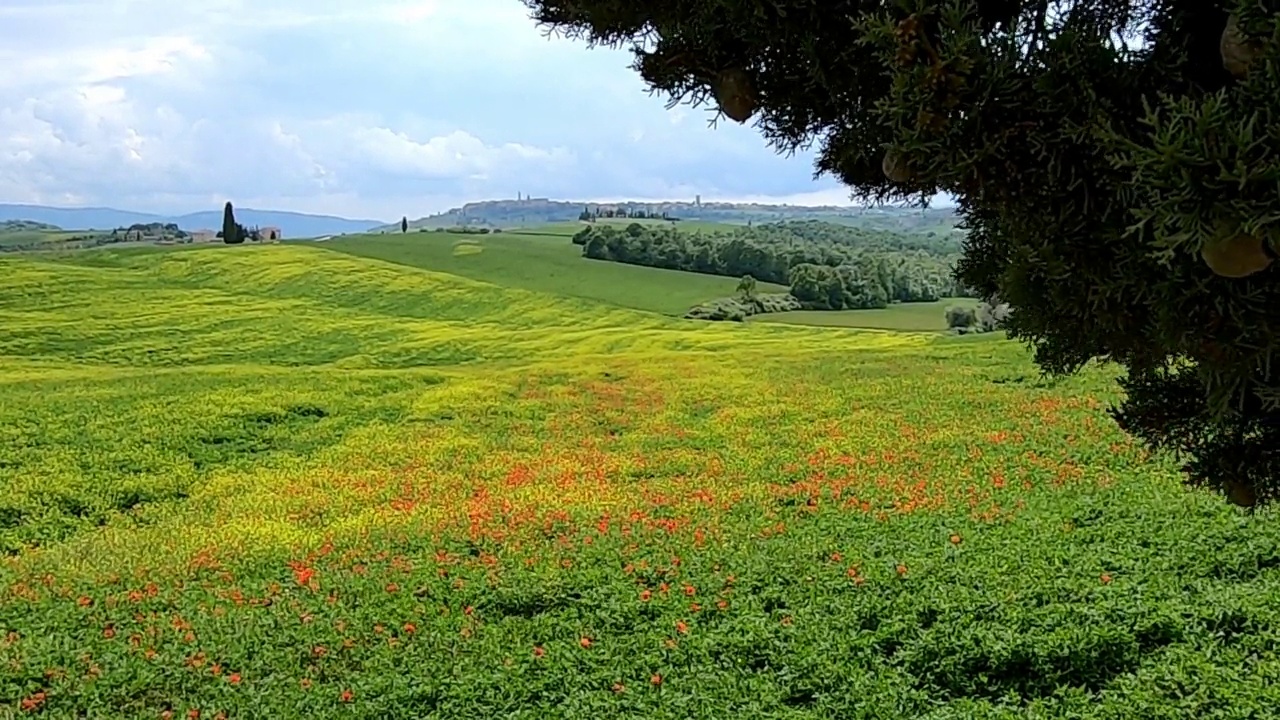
<point x="827" y="266"/>
<point x="589" y="215"/>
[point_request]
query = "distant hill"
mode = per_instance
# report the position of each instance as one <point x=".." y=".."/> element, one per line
<point x="510" y="213"/>
<point x="294" y="225"/>
<point x="16" y="226"/>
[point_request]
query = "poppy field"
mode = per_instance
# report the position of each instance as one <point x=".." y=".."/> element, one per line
<point x="282" y="482"/>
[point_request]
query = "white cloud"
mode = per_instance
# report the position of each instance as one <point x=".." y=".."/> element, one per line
<point x="385" y="107"/>
<point x="456" y="155"/>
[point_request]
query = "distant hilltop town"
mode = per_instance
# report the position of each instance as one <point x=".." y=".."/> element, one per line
<point x="527" y="210"/>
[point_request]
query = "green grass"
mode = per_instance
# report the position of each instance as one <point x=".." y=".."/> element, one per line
<point x="911" y="317"/>
<point x="544" y="263"/>
<point x="284" y="481"/>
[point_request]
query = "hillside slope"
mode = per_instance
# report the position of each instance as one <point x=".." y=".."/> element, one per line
<point x="283" y="481"/>
<point x="547" y="263"/>
<point x="298" y="304"/>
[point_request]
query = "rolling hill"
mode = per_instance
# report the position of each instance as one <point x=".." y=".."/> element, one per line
<point x="542" y="258"/>
<point x="288" y="480"/>
<point x="96" y="218"/>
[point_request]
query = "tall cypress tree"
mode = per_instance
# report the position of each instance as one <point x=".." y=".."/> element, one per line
<point x="404" y="224"/>
<point x="230" y="230"/>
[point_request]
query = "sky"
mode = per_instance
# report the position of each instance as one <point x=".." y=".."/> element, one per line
<point x="359" y="108"/>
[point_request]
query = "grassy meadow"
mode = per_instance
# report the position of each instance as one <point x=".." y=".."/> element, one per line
<point x="913" y="317"/>
<point x="306" y="481"/>
<point x="543" y="259"/>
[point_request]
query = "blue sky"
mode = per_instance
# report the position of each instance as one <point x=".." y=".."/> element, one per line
<point x="378" y="108"/>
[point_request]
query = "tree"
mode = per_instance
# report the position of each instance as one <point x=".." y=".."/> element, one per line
<point x="1113" y="162"/>
<point x="959" y="318"/>
<point x="991" y="314"/>
<point x="230" y="228"/>
<point x="747" y="287"/>
<point x="404" y="224"/>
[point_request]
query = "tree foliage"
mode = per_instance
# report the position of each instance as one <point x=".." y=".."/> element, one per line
<point x="827" y="265"/>
<point x="1115" y="164"/>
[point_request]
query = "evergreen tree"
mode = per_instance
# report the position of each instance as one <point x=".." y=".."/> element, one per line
<point x="404" y="224"/>
<point x="230" y="229"/>
<point x="1114" y="163"/>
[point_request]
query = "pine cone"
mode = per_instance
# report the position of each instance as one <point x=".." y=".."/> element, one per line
<point x="735" y="94"/>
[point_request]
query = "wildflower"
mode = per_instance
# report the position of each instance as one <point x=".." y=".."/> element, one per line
<point x="303" y="575"/>
<point x="656" y="679"/>
<point x="955" y="539"/>
<point x="681" y="627"/>
<point x="410" y="628"/>
<point x="902" y="570"/>
<point x="538" y="651"/>
<point x="690" y="590"/>
<point x="1106" y="579"/>
<point x="585" y="642"/>
<point x="618" y="687"/>
<point x="108" y="632"/>
<point x="392" y="587"/>
<point x="34" y="701"/>
<point x="305" y="683"/>
<point x="722" y="604"/>
<point x="646" y="594"/>
<point x="346" y="696"/>
<point x="234" y="678"/>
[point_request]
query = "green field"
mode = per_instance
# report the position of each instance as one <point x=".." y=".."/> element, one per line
<point x="290" y="481"/>
<point x="915" y="317"/>
<point x="544" y="262"/>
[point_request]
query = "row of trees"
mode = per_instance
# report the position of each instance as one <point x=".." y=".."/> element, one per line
<point x="589" y="215"/>
<point x="826" y="265"/>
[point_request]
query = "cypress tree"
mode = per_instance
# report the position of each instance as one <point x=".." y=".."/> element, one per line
<point x="230" y="229"/>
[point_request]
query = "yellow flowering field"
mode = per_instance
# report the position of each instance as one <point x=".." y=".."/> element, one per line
<point x="278" y="482"/>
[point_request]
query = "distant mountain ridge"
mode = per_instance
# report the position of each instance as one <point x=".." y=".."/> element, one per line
<point x="292" y="224"/>
<point x="530" y="211"/>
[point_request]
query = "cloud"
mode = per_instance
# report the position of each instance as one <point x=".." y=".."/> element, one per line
<point x="376" y="109"/>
